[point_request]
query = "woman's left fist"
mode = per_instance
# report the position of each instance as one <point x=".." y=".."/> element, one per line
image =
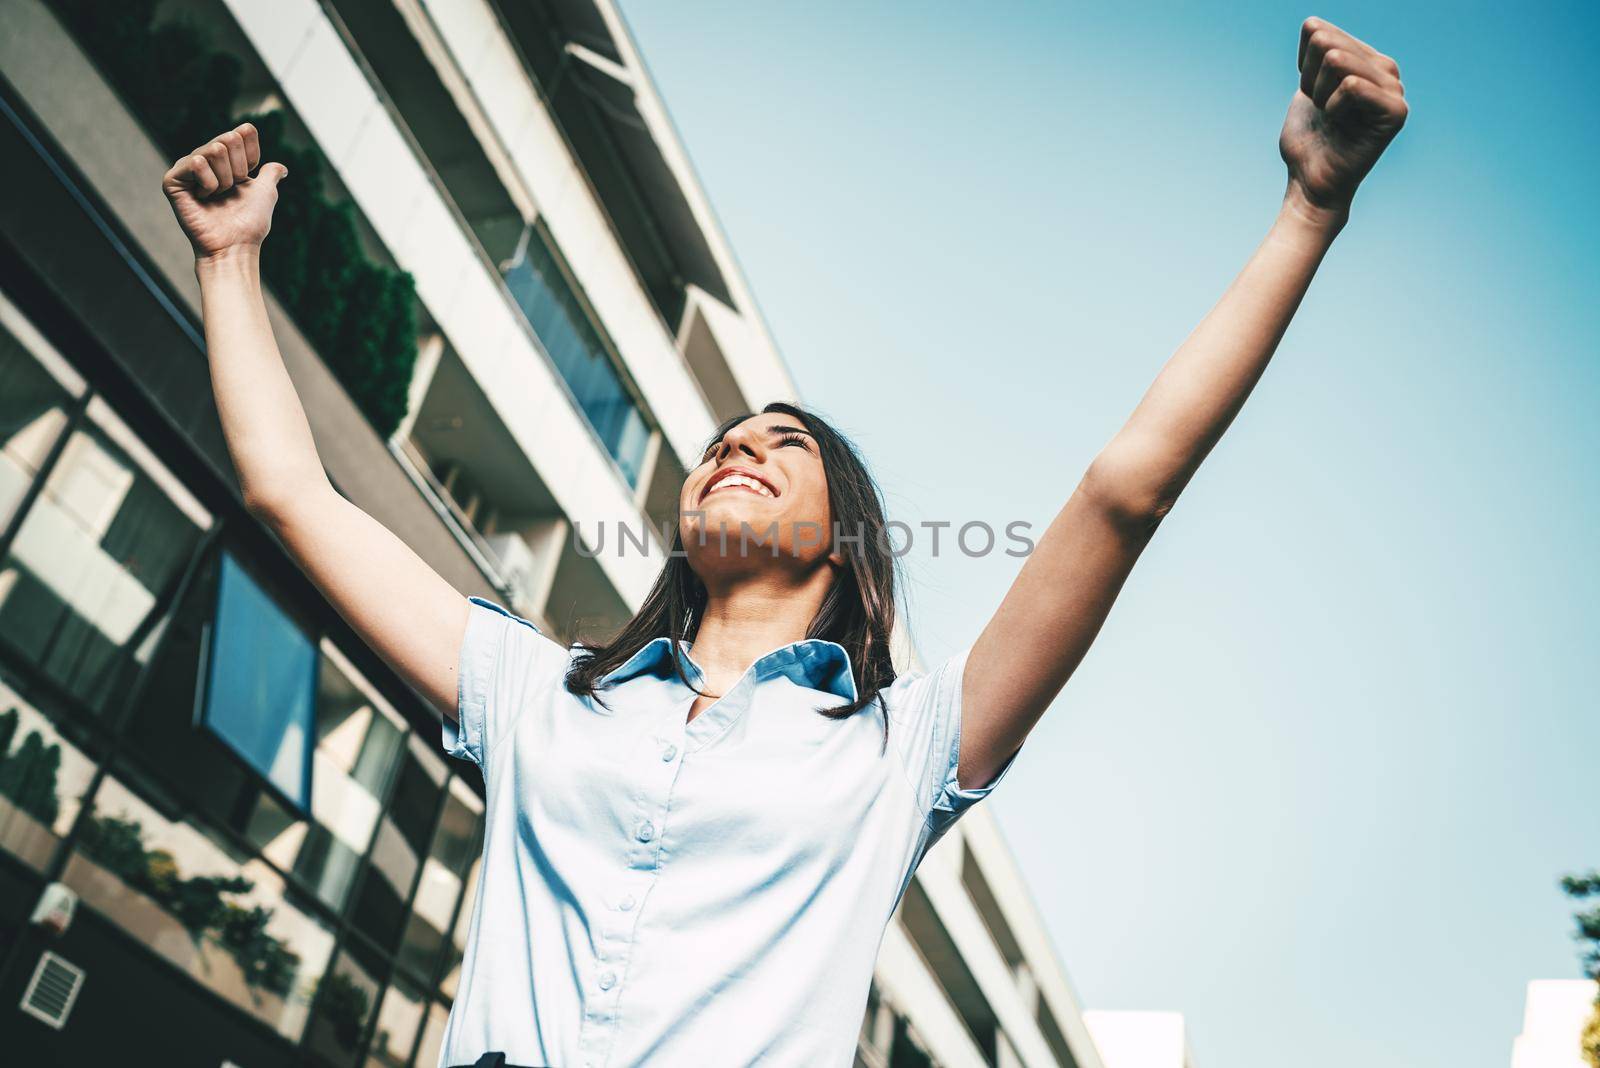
<point x="1348" y="108"/>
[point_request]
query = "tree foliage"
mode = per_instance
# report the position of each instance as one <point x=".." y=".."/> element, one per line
<point x="1586" y="888"/>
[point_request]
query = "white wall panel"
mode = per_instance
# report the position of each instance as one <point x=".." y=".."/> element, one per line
<point x="393" y="203"/>
<point x="322" y="81"/>
<point x="281" y="41"/>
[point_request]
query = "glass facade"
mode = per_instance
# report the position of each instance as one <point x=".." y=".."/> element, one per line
<point x="552" y="307"/>
<point x="204" y="766"/>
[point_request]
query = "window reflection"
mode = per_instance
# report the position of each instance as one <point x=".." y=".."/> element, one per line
<point x="358" y="737"/>
<point x="457" y="948"/>
<point x="43" y="777"/>
<point x="456" y="845"/>
<point x="401" y="841"/>
<point x="107" y="538"/>
<point x="345" y="999"/>
<point x="432" y="1036"/>
<point x="35" y="389"/>
<point x="228" y="921"/>
<point x="398" y="1019"/>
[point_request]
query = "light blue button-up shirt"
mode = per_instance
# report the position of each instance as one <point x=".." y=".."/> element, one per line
<point x="657" y="890"/>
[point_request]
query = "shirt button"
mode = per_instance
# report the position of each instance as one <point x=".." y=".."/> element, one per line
<point x="627" y="903"/>
<point x="608" y="979"/>
<point x="669" y="752"/>
<point x="646" y="831"/>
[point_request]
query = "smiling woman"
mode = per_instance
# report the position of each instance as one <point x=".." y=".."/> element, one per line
<point x="684" y="863"/>
<point x="770" y="544"/>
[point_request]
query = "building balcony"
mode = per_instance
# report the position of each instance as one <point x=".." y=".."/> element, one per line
<point x="463" y="457"/>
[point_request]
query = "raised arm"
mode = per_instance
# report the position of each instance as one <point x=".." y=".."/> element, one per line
<point x="400" y="606"/>
<point x="1349" y="106"/>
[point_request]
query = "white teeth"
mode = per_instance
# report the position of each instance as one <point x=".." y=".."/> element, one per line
<point x="739" y="480"/>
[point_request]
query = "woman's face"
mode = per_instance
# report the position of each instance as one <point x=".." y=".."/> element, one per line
<point x="762" y="485"/>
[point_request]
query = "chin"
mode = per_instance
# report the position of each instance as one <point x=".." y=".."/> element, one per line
<point x="734" y="516"/>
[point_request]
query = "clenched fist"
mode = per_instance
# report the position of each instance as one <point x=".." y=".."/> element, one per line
<point x="1348" y="108"/>
<point x="218" y="204"/>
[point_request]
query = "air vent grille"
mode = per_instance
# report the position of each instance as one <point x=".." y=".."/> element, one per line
<point x="52" y="990"/>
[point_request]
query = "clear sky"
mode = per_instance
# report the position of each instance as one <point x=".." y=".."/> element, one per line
<point x="1314" y="785"/>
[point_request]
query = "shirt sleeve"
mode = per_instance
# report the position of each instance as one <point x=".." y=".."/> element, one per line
<point x="925" y="730"/>
<point x="503" y="666"/>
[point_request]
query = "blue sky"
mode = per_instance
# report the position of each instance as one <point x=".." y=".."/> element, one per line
<point x="1315" y="782"/>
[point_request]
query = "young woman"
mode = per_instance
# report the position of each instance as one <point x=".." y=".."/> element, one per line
<point x="685" y="863"/>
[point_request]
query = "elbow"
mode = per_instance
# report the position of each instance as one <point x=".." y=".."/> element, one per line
<point x="277" y="506"/>
<point x="1133" y="489"/>
<point x="270" y="509"/>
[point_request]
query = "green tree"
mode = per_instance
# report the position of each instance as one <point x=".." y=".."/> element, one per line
<point x="1586" y="888"/>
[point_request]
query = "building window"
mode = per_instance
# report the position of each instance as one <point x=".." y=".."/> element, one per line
<point x="359" y="738"/>
<point x="98" y="554"/>
<point x="450" y="977"/>
<point x="43" y="776"/>
<point x="433" y="1034"/>
<point x="36" y="389"/>
<point x="551" y="304"/>
<point x="457" y="842"/>
<point x="357" y="741"/>
<point x="261" y="684"/>
<point x="399" y="1018"/>
<point x="346" y="997"/>
<point x="395" y="860"/>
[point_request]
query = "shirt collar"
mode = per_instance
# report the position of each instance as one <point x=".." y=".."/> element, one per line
<point x="813" y="662"/>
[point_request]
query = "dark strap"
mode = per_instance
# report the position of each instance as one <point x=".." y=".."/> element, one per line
<point x="490" y="1060"/>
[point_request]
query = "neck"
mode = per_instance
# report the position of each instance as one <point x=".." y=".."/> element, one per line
<point x="748" y="618"/>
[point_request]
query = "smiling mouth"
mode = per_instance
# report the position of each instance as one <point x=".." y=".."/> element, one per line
<point x="733" y="480"/>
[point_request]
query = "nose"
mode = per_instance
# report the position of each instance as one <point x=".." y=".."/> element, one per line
<point x="741" y="440"/>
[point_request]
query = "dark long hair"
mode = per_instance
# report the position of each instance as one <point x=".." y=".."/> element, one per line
<point x="857" y="613"/>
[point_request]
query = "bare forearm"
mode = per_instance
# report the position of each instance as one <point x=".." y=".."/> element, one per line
<point x="1208" y="379"/>
<point x="262" y="418"/>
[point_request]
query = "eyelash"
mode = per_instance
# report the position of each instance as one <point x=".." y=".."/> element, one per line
<point x="786" y="440"/>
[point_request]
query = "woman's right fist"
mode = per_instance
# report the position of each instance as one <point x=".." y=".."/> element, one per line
<point x="217" y="203"/>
